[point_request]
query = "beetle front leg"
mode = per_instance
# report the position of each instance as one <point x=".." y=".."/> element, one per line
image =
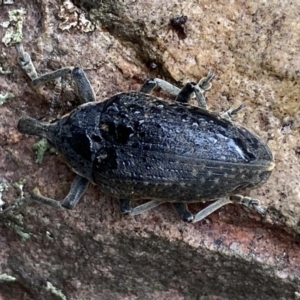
<point x="182" y="95"/>
<point x="25" y="62"/>
<point x="34" y="197"/>
<point x="199" y="89"/>
<point x="203" y="86"/>
<point x="84" y="88"/>
<point x="78" y="188"/>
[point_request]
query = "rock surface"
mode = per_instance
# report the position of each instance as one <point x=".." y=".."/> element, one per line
<point x="93" y="252"/>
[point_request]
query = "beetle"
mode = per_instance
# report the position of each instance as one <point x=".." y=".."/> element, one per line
<point x="137" y="146"/>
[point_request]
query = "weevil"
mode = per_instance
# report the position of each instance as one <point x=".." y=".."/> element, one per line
<point x="137" y="146"/>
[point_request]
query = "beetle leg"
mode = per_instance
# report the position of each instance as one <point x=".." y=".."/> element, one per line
<point x="56" y="95"/>
<point x="34" y="197"/>
<point x="84" y="88"/>
<point x="199" y="89"/>
<point x="78" y="188"/>
<point x="249" y="202"/>
<point x="145" y="207"/>
<point x="25" y="62"/>
<point x="184" y="94"/>
<point x="203" y="86"/>
<point x="182" y="210"/>
<point x="125" y="206"/>
<point x="210" y="209"/>
<point x="231" y="113"/>
<point x="148" y="86"/>
<point x="37" y="197"/>
<point x="151" y="84"/>
<point x="205" y="82"/>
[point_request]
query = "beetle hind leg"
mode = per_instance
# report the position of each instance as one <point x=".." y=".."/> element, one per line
<point x="249" y="202"/>
<point x="210" y="209"/>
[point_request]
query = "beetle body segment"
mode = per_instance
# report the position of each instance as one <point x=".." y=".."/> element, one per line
<point x="136" y="146"/>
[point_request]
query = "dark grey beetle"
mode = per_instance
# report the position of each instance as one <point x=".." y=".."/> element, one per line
<point x="137" y="146"/>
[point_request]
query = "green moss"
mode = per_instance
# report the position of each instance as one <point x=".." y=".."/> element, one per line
<point x="4" y="98"/>
<point x="20" y="185"/>
<point x="6" y="277"/>
<point x="41" y="147"/>
<point x="14" y="32"/>
<point x="55" y="291"/>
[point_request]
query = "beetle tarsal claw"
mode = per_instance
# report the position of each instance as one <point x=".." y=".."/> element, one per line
<point x="249" y="202"/>
<point x="205" y="83"/>
<point x="232" y="113"/>
<point x="260" y="209"/>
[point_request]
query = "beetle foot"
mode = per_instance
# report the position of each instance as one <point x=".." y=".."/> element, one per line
<point x="249" y="202"/>
<point x="231" y="113"/>
<point x="202" y="87"/>
<point x="205" y="83"/>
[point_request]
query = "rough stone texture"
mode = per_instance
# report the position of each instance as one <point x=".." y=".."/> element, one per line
<point x="93" y="252"/>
